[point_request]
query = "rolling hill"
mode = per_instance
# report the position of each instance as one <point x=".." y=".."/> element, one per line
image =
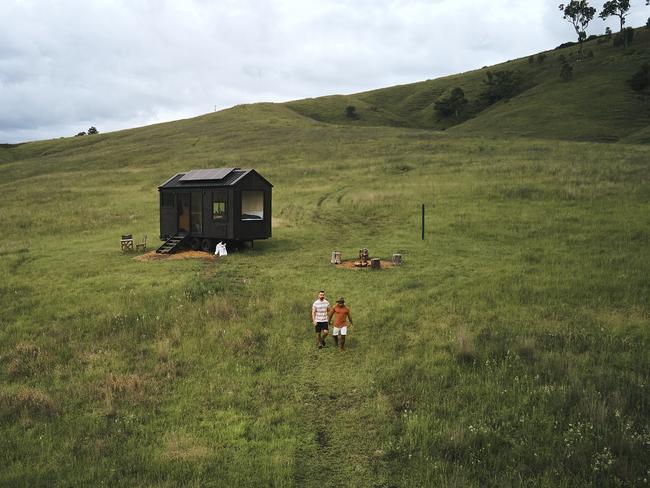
<point x="596" y="104"/>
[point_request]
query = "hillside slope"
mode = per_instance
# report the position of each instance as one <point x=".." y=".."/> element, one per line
<point x="596" y="104"/>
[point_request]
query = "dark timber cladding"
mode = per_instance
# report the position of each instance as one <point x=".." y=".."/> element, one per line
<point x="205" y="206"/>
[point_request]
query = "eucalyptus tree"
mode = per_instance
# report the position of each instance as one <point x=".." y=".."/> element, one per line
<point x="579" y="14"/>
<point x="617" y="8"/>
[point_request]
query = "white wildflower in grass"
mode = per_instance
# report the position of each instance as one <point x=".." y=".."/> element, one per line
<point x="602" y="461"/>
<point x="576" y="435"/>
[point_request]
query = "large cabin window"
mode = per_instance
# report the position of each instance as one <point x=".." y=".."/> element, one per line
<point x="252" y="205"/>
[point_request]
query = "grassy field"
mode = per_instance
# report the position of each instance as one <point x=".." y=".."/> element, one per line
<point x="510" y="349"/>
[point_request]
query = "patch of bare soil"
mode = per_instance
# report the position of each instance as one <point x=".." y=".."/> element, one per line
<point x="153" y="256"/>
<point x="350" y="264"/>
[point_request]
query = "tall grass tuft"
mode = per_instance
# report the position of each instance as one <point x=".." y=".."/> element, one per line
<point x="465" y="346"/>
<point x="110" y="409"/>
<point x="165" y="367"/>
<point x="30" y="401"/>
<point x="26" y="359"/>
<point x="526" y="348"/>
<point x="182" y="447"/>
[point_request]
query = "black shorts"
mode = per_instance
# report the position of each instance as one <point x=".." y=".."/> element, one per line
<point x="321" y="326"/>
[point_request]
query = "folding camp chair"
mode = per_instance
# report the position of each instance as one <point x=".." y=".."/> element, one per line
<point x="142" y="245"/>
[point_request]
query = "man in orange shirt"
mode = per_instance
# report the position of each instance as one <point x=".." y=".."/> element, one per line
<point x="341" y="314"/>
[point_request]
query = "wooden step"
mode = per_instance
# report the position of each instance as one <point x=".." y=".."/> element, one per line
<point x="171" y="244"/>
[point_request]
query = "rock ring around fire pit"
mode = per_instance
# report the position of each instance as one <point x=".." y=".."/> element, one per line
<point x="352" y="264"/>
<point x="365" y="261"/>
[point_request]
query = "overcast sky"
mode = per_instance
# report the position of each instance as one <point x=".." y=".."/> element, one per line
<point x="66" y="65"/>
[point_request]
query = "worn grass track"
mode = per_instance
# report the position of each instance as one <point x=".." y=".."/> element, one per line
<point x="338" y="405"/>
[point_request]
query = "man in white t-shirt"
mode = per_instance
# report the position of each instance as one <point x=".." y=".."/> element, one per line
<point x="319" y="317"/>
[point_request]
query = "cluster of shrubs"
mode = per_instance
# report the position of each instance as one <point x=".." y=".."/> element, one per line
<point x="351" y="112"/>
<point x="566" y="69"/>
<point x="624" y="38"/>
<point x="540" y="58"/>
<point x="564" y="45"/>
<point x="92" y="130"/>
<point x="498" y="85"/>
<point x="501" y="85"/>
<point x="641" y="79"/>
<point x="606" y="38"/>
<point x="453" y="104"/>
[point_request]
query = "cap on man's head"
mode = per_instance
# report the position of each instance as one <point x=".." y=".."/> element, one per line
<point x="340" y="300"/>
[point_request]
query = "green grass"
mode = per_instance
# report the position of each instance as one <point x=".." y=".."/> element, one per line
<point x="510" y="349"/>
<point x="595" y="105"/>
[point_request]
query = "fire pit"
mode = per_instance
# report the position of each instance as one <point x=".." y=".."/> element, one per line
<point x="364" y="257"/>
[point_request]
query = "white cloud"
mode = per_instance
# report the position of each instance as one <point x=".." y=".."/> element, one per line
<point x="116" y="64"/>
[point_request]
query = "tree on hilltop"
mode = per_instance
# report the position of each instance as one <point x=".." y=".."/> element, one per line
<point x="93" y="130"/>
<point x="579" y="14"/>
<point x="617" y="8"/>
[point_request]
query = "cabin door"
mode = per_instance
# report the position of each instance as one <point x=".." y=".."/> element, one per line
<point x="183" y="206"/>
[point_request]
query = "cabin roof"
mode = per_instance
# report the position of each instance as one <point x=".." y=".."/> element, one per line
<point x="213" y="177"/>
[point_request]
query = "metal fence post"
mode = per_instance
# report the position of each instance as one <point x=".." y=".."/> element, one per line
<point x="423" y="221"/>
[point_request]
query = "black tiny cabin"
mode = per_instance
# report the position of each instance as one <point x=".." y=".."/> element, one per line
<point x="205" y="206"/>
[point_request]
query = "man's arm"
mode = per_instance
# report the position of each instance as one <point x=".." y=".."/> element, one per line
<point x="313" y="315"/>
<point x="350" y="317"/>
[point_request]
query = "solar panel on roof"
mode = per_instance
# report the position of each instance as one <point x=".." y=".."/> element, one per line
<point x="207" y="174"/>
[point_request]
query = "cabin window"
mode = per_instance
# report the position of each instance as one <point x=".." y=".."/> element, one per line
<point x="196" y="214"/>
<point x="252" y="205"/>
<point x="219" y="206"/>
<point x="218" y="210"/>
<point x="167" y="200"/>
